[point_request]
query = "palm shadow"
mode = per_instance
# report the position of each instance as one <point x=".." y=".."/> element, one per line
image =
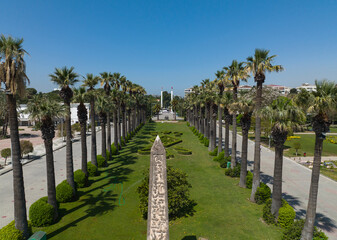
<point x="321" y="221"/>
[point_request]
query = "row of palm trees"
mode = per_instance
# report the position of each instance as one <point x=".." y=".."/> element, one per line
<point x="120" y="97"/>
<point x="218" y="99"/>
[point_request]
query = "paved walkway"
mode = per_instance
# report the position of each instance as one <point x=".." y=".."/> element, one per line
<point x="296" y="184"/>
<point x="35" y="178"/>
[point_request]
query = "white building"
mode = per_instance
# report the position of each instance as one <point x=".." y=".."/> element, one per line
<point x="188" y="91"/>
<point x="307" y="86"/>
<point x="281" y="89"/>
<point x="73" y="112"/>
<point x="244" y="88"/>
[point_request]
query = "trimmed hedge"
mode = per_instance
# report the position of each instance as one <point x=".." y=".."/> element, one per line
<point x="183" y="151"/>
<point x="267" y="216"/>
<point x="294" y="231"/>
<point x="64" y="192"/>
<point x="145" y="150"/>
<point x="233" y="172"/>
<point x="113" y="149"/>
<point x="169" y="154"/>
<point x="220" y="158"/>
<point x="92" y="169"/>
<point x="262" y="193"/>
<point x="214" y="152"/>
<point x="100" y="161"/>
<point x="80" y="179"/>
<point x="41" y="213"/>
<point x="9" y="232"/>
<point x="286" y="216"/>
<point x="249" y="180"/>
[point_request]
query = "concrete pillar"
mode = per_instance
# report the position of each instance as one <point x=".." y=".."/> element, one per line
<point x="161" y="99"/>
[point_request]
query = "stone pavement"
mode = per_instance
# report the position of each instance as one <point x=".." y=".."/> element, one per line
<point x="35" y="176"/>
<point x="296" y="184"/>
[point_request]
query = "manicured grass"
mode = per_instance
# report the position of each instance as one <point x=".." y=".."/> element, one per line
<point x="223" y="210"/>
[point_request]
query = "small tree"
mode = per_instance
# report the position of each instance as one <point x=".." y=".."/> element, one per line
<point x="26" y="147"/>
<point x="5" y="153"/>
<point x="297" y="145"/>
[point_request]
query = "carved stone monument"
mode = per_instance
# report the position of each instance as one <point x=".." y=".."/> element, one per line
<point x="157" y="216"/>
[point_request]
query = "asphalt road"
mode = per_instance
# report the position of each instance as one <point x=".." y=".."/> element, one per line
<point x="295" y="187"/>
<point x="35" y="178"/>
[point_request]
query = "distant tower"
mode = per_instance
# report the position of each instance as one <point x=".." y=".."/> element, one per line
<point x="161" y="98"/>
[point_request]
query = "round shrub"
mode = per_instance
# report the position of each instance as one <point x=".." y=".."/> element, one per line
<point x="262" y="193"/>
<point x="80" y="179"/>
<point x="294" y="231"/>
<point x="220" y="158"/>
<point x="113" y="149"/>
<point x="233" y="172"/>
<point x="267" y="216"/>
<point x="214" y="152"/>
<point x="41" y="213"/>
<point x="179" y="202"/>
<point x="92" y="169"/>
<point x="286" y="216"/>
<point x="206" y="142"/>
<point x="10" y="232"/>
<point x="64" y="192"/>
<point x="100" y="161"/>
<point x="249" y="180"/>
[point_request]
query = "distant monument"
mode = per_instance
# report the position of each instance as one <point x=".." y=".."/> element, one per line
<point x="157" y="216"/>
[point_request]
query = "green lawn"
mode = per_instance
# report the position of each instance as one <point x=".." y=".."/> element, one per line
<point x="223" y="210"/>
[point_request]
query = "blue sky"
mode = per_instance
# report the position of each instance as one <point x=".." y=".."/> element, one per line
<point x="178" y="43"/>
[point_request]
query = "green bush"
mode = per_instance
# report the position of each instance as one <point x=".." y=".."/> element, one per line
<point x="107" y="157"/>
<point x="220" y="158"/>
<point x="9" y="232"/>
<point x="294" y="231"/>
<point x="286" y="216"/>
<point x="76" y="127"/>
<point x="179" y="202"/>
<point x="26" y="147"/>
<point x="113" y="149"/>
<point x="233" y="172"/>
<point x="145" y="150"/>
<point x="267" y="216"/>
<point x="41" y="213"/>
<point x="169" y="154"/>
<point x="100" y="161"/>
<point x="80" y="179"/>
<point x="64" y="192"/>
<point x="262" y="193"/>
<point x="206" y="142"/>
<point x="92" y="169"/>
<point x="214" y="152"/>
<point x="183" y="151"/>
<point x="122" y="143"/>
<point x="188" y="124"/>
<point x="249" y="180"/>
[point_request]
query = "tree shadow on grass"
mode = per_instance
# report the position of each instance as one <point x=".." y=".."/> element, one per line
<point x="322" y="221"/>
<point x="98" y="206"/>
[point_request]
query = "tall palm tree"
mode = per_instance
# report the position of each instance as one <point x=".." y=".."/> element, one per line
<point x="13" y="76"/>
<point x="90" y="81"/>
<point x="64" y="78"/>
<point x="226" y="100"/>
<point x="124" y="87"/>
<point x="156" y="110"/>
<point x="174" y="104"/>
<point x="106" y="79"/>
<point x="259" y="64"/>
<point x="236" y="72"/>
<point x="285" y="117"/>
<point x="45" y="111"/>
<point x="115" y="96"/>
<point x="116" y="84"/>
<point x="80" y="96"/>
<point x="320" y="109"/>
<point x="102" y="109"/>
<point x="245" y="106"/>
<point x="221" y="82"/>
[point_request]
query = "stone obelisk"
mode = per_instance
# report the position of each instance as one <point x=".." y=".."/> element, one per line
<point x="157" y="216"/>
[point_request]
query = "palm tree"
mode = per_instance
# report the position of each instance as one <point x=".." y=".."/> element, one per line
<point x="245" y="106"/>
<point x="106" y="79"/>
<point x="320" y="109"/>
<point x="115" y="96"/>
<point x="90" y="81"/>
<point x="221" y="82"/>
<point x="13" y="75"/>
<point x="174" y="104"/>
<point x="66" y="77"/>
<point x="285" y="117"/>
<point x="259" y="65"/>
<point x="80" y="96"/>
<point x="102" y="109"/>
<point x="156" y="110"/>
<point x="124" y="86"/>
<point x="116" y="84"/>
<point x="45" y="111"/>
<point x="235" y="73"/>
<point x="226" y="100"/>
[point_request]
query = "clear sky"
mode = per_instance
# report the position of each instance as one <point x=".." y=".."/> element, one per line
<point x="164" y="43"/>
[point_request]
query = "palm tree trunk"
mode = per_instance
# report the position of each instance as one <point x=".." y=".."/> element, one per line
<point x="20" y="214"/>
<point x="115" y="129"/>
<point x="124" y="124"/>
<point x="93" y="133"/>
<point x="84" y="148"/>
<point x="48" y="143"/>
<point x="108" y="126"/>
<point x="277" y="182"/>
<point x="234" y="132"/>
<point x="212" y="130"/>
<point x="103" y="140"/>
<point x="244" y="152"/>
<point x="207" y="121"/>
<point x="257" y="150"/>
<point x="129" y="121"/>
<point x="308" y="230"/>
<point x="220" y="128"/>
<point x="227" y="123"/>
<point x="119" y="137"/>
<point x="69" y="152"/>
